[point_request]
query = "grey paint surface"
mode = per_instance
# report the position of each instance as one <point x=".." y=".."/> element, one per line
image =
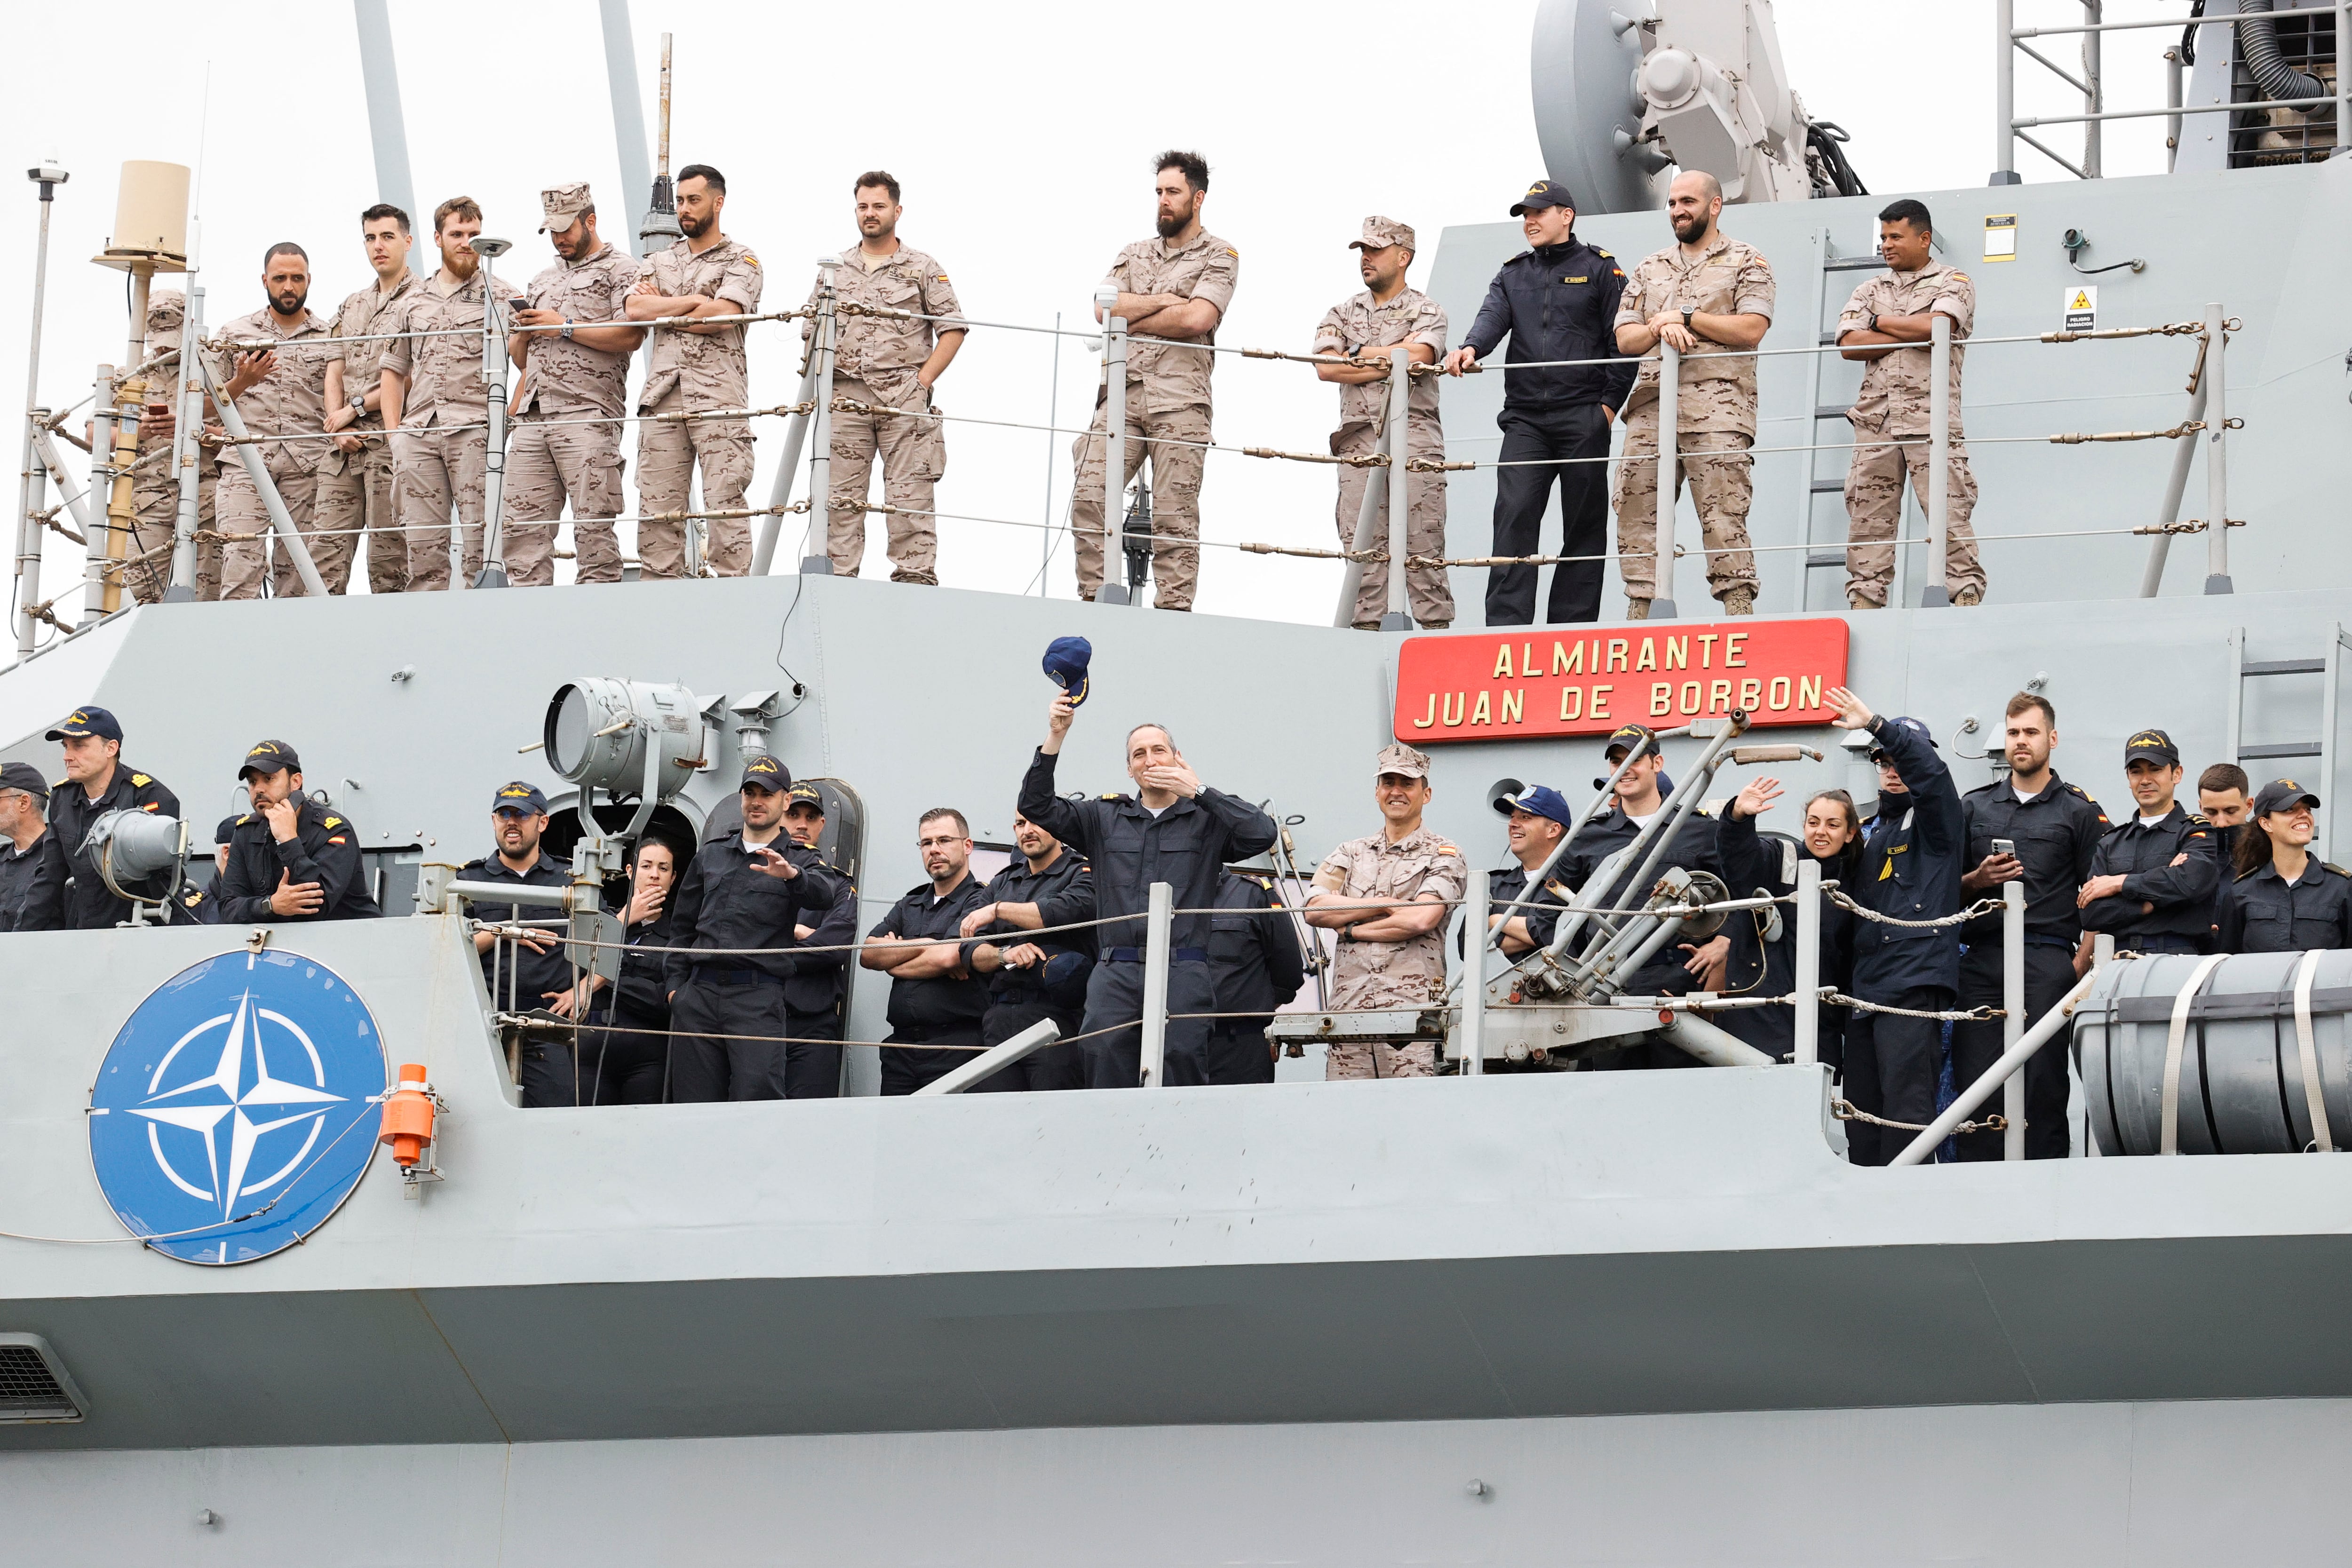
<point x="2136" y="1486"/>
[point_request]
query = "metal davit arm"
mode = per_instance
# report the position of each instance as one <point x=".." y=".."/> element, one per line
<point x="258" y="471"/>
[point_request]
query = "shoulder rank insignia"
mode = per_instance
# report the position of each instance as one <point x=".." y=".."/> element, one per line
<point x="2332" y="866"/>
<point x="332" y="822"/>
<point x="246" y="818"/>
<point x="1602" y="254"/>
<point x="1112" y="794"/>
<point x="140" y="781"/>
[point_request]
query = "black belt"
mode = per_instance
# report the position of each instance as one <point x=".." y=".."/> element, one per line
<point x="1135" y="955"/>
<point x="712" y="974"/>
<point x="2156" y="941"/>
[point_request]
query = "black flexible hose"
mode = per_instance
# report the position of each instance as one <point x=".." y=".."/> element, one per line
<point x="1826" y="137"/>
<point x="2258" y="45"/>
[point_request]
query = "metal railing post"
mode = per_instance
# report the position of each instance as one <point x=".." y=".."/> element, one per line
<point x="1160" y="924"/>
<point x="2013" y="1003"/>
<point x="493" y="574"/>
<point x="93" y="523"/>
<point x="29" y="482"/>
<point x="2094" y="95"/>
<point x="780" y="495"/>
<point x="1807" y="1043"/>
<point x="2172" y="102"/>
<point x="2342" y="78"/>
<point x="2159" y="549"/>
<point x="257" y="470"/>
<point x="1670" y="371"/>
<point x="2004" y="111"/>
<point x="1938" y="589"/>
<point x="1352" y="579"/>
<point x="821" y="348"/>
<point x="187" y="454"/>
<point x="2217" y="454"/>
<point x="1473" y="1036"/>
<point x="1114" y="515"/>
<point x="1398" y="617"/>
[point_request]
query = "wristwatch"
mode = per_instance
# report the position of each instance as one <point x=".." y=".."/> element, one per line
<point x="1873" y="320"/>
<point x="1686" y="320"/>
<point x="567" y="332"/>
<point x="359" y="405"/>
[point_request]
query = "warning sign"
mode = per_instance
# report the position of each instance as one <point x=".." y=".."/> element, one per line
<point x="2082" y="307"/>
<point x="2001" y="237"/>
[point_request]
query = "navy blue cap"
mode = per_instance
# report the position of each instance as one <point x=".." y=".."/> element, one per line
<point x="521" y="797"/>
<point x="2151" y="745"/>
<point x="1539" y="800"/>
<point x="2282" y="794"/>
<point x="269" y="757"/>
<point x="1543" y="194"/>
<point x="26" y="777"/>
<point x="1066" y="661"/>
<point x="1637" y="739"/>
<point x="86" y="721"/>
<point x="226" y="830"/>
<point x="764" y="772"/>
<point x="1913" y="725"/>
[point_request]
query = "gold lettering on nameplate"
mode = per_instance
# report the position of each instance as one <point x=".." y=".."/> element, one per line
<point x="1426" y="719"/>
<point x="1502" y="661"/>
<point x="1809" y="691"/>
<point x="1484" y="713"/>
<point x="1662" y="699"/>
<point x="1453" y="706"/>
<point x="1572" y="703"/>
<point x="1514" y="705"/>
<point x="1567" y="661"/>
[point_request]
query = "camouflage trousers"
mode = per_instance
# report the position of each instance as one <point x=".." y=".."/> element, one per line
<point x="356" y="501"/>
<point x="1426" y="589"/>
<point x="667" y="451"/>
<point x="248" y="544"/>
<point x="1720" y="486"/>
<point x="914" y="454"/>
<point x="433" y="470"/>
<point x="546" y="463"/>
<point x="1874" y="509"/>
<point x="1415" y="1059"/>
<point x="155" y="514"/>
<point x="1175" y="496"/>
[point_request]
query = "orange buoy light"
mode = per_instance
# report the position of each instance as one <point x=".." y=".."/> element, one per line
<point x="408" y="1115"/>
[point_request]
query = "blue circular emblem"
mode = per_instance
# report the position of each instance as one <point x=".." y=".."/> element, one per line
<point x="237" y="1108"/>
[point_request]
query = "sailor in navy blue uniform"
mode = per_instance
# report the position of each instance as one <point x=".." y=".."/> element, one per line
<point x="1555" y="300"/>
<point x="2154" y="879"/>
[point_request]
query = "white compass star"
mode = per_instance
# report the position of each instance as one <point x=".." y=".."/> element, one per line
<point x="228" y="1080"/>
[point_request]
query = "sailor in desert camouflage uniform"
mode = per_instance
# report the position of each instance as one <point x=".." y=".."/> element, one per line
<point x="887" y="361"/>
<point x="278" y="391"/>
<point x="357" y="500"/>
<point x="1371" y="324"/>
<point x="1890" y="323"/>
<point x="567" y="430"/>
<point x="696" y="368"/>
<point x="1389" y="896"/>
<point x="1177" y="286"/>
<point x="1710" y="296"/>
<point x="435" y="396"/>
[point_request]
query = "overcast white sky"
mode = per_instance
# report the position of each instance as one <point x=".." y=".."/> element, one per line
<point x="1025" y="163"/>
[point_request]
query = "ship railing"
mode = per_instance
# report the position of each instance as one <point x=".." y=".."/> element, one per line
<point x="2012" y="40"/>
<point x="103" y="513"/>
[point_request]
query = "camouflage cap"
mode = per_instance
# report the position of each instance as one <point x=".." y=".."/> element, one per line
<point x="563" y="205"/>
<point x="165" y="310"/>
<point x="1402" y="759"/>
<point x="1380" y="233"/>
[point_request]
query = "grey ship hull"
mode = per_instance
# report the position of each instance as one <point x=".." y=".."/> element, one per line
<point x="1655" y="1316"/>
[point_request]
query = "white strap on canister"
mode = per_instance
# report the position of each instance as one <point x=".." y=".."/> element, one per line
<point x="2307" y="1048"/>
<point x="2169" y="1138"/>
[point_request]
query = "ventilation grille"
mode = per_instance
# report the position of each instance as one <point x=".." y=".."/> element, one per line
<point x="34" y="1384"/>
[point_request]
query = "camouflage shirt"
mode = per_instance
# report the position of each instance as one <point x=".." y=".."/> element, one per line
<point x="566" y="377"/>
<point x="369" y="311"/>
<point x="1717" y="391"/>
<point x="908" y="280"/>
<point x="1360" y="321"/>
<point x="292" y="398"/>
<point x="1894" y="400"/>
<point x="708" y="368"/>
<point x="1207" y="269"/>
<point x="1391" y="973"/>
<point x="443" y="375"/>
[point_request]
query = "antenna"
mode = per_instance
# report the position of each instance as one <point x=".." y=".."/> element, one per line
<point x="661" y="218"/>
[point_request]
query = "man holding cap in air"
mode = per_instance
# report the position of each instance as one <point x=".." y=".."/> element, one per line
<point x="290" y="858"/>
<point x="32" y="869"/>
<point x="1389" y="896"/>
<point x="747" y="890"/>
<point x="1555" y="300"/>
<point x="95" y="783"/>
<point x="2154" y="876"/>
<point x="1911" y="864"/>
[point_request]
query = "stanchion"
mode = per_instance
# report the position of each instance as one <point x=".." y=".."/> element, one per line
<point x="1161" y="924"/>
<point x="29" y="485"/>
<point x="2217" y="454"/>
<point x="1670" y="371"/>
<point x="1114" y="513"/>
<point x="1937" y="591"/>
<point x="780" y="495"/>
<point x="187" y="453"/>
<point x="817" y="561"/>
<point x="493" y="574"/>
<point x="1474" y="974"/>
<point x="1351" y="580"/>
<point x="1398" y="617"/>
<point x="93" y="524"/>
<point x="2012" y="1002"/>
<point x="1808" y="1041"/>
